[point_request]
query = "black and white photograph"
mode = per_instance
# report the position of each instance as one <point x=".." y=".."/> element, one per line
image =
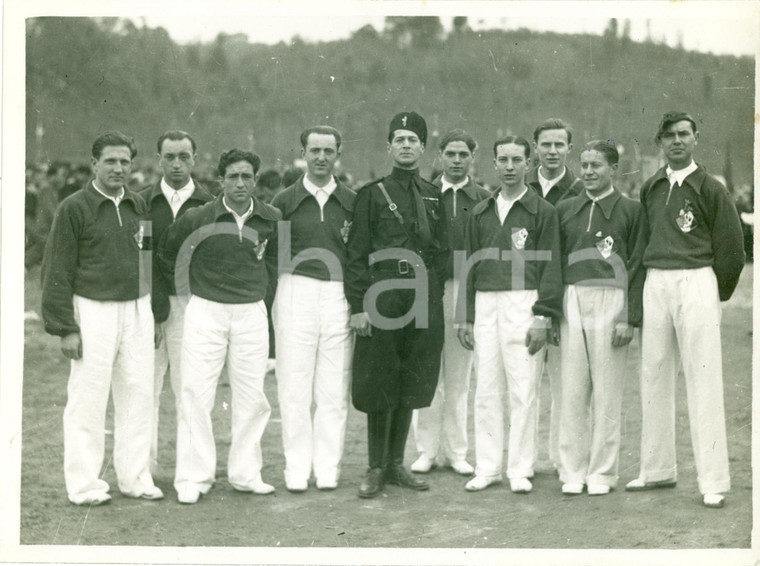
<point x="378" y="282"/>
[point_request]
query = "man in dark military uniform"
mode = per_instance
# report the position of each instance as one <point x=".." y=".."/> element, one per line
<point x="394" y="286"/>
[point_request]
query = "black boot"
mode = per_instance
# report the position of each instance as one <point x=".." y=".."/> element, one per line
<point x="396" y="473"/>
<point x="378" y="428"/>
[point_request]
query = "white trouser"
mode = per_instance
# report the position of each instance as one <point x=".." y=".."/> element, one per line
<point x="168" y="356"/>
<point x="502" y="321"/>
<point x="215" y="332"/>
<point x="589" y="438"/>
<point x="441" y="429"/>
<point x="682" y="310"/>
<point x="553" y="369"/>
<point x="314" y="347"/>
<point x="117" y="355"/>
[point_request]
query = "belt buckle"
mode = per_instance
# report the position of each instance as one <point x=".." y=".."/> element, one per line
<point x="403" y="267"/>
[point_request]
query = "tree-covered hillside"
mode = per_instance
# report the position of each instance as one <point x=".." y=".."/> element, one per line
<point x="85" y="76"/>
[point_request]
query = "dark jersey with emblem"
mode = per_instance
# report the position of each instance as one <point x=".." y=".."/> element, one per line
<point x="398" y="365"/>
<point x="693" y="225"/>
<point x="604" y="246"/>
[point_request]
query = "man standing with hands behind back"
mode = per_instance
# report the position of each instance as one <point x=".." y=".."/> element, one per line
<point x="173" y="195"/>
<point x="694" y="258"/>
<point x="441" y="429"/>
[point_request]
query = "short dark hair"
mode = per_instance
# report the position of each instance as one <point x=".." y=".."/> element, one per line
<point x="607" y="148"/>
<point x="233" y="156"/>
<point x="175" y="135"/>
<point x="113" y="138"/>
<point x="326" y="130"/>
<point x="517" y="140"/>
<point x="458" y="135"/>
<point x="670" y="118"/>
<point x="553" y="124"/>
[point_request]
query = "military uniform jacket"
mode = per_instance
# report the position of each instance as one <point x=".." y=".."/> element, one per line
<point x="375" y="227"/>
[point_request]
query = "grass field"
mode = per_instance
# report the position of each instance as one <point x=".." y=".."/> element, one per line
<point x="445" y="516"/>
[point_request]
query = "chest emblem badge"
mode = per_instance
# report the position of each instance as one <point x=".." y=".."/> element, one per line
<point x="686" y="220"/>
<point x="606" y="246"/>
<point x="345" y="230"/>
<point x="519" y="238"/>
<point x="259" y="249"/>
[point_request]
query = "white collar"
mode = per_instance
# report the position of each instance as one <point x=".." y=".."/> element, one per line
<point x="681" y="174"/>
<point x="446" y="184"/>
<point x="183" y="192"/>
<point x="547" y="184"/>
<point x="510" y="202"/>
<point x="605" y="194"/>
<point x="240" y="218"/>
<point x="314" y="189"/>
<point x="117" y="199"/>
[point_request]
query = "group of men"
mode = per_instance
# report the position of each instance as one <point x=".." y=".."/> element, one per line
<point x="381" y="297"/>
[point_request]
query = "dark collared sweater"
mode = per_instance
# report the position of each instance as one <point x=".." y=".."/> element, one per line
<point x="616" y="236"/>
<point x="226" y="265"/>
<point x="93" y="250"/>
<point x="455" y="223"/>
<point x="567" y="187"/>
<point x="311" y="227"/>
<point x="161" y="216"/>
<point x="694" y="225"/>
<point x="531" y="226"/>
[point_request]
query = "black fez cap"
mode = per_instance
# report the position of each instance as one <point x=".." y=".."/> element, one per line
<point x="670" y="118"/>
<point x="409" y="121"/>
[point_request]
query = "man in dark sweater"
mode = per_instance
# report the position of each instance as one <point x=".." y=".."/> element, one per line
<point x="394" y="285"/>
<point x="694" y="258"/>
<point x="553" y="181"/>
<point x="215" y="252"/>
<point x="603" y="235"/>
<point x="514" y="290"/>
<point x="95" y="298"/>
<point x="311" y="314"/>
<point x="173" y="195"/>
<point x="441" y="429"/>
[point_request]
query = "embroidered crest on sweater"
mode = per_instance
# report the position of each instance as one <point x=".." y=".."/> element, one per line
<point x="519" y="238"/>
<point x="259" y="249"/>
<point x="686" y="220"/>
<point x="140" y="236"/>
<point x="345" y="230"/>
<point x="606" y="246"/>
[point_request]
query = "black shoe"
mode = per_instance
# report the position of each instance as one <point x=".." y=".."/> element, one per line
<point x="373" y="483"/>
<point x="397" y="474"/>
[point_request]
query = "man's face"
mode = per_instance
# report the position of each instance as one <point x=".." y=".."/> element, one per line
<point x="511" y="164"/>
<point x="596" y="173"/>
<point x="112" y="169"/>
<point x="321" y="153"/>
<point x="176" y="161"/>
<point x="238" y="183"/>
<point x="405" y="149"/>
<point x="678" y="142"/>
<point x="552" y="148"/>
<point x="456" y="159"/>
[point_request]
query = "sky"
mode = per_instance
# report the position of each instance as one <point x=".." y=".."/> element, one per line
<point x="720" y="28"/>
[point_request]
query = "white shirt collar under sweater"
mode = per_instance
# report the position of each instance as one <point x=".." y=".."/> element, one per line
<point x="446" y="184"/>
<point x="320" y="193"/>
<point x="504" y="205"/>
<point x="177" y="197"/>
<point x="547" y="184"/>
<point x="116" y="200"/>
<point x="238" y="218"/>
<point x="679" y="176"/>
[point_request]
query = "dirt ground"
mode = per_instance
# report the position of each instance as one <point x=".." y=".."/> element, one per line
<point x="446" y="516"/>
